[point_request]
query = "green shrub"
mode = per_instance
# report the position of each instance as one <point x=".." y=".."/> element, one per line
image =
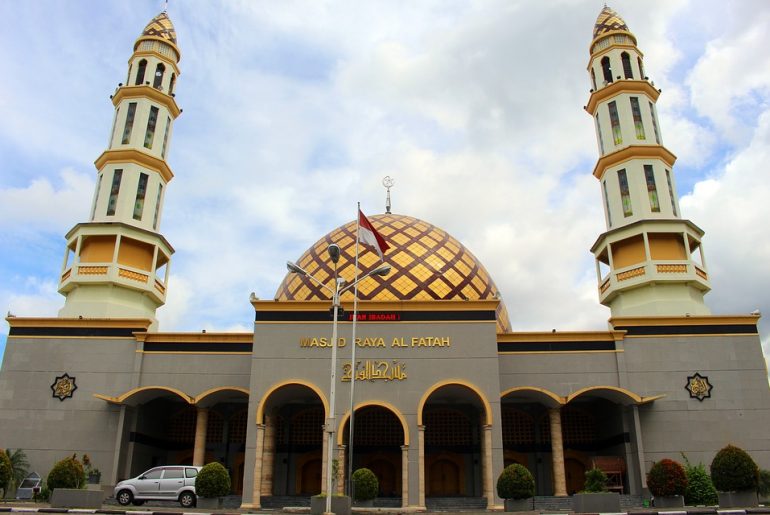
<point x="763" y="488"/>
<point x="596" y="481"/>
<point x="667" y="478"/>
<point x="700" y="490"/>
<point x="212" y="481"/>
<point x="733" y="469"/>
<point x="365" y="485"/>
<point x="45" y="493"/>
<point x="67" y="473"/>
<point x="516" y="482"/>
<point x="6" y="472"/>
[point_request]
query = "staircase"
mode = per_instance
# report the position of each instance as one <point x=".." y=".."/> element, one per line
<point x="276" y="502"/>
<point x="551" y="503"/>
<point x="456" y="503"/>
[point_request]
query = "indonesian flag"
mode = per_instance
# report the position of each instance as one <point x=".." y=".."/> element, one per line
<point x="368" y="234"/>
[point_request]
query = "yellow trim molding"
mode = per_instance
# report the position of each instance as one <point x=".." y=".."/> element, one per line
<point x="637" y="399"/>
<point x="122" y="398"/>
<point x="618" y="87"/>
<point x="633" y="152"/>
<point x="382" y="404"/>
<point x="198" y="398"/>
<point x="141" y="324"/>
<point x="261" y="406"/>
<point x="371" y="305"/>
<point x="196" y="337"/>
<point x="145" y="91"/>
<point x="132" y="155"/>
<point x="634" y="321"/>
<point x="558" y="400"/>
<point x="458" y="382"/>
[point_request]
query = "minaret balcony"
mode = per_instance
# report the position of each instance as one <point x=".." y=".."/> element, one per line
<point x="112" y="273"/>
<point x="651" y="272"/>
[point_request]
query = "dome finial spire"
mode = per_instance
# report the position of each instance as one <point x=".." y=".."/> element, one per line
<point x="388" y="182"/>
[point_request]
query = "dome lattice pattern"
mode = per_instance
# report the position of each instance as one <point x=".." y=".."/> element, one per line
<point x="609" y="21"/>
<point x="428" y="264"/>
<point x="160" y="27"/>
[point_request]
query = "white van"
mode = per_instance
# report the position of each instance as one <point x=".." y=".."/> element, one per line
<point x="169" y="483"/>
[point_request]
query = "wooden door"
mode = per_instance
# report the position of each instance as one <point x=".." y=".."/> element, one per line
<point x="444" y="479"/>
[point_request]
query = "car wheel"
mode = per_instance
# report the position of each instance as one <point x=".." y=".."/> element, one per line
<point x="124" y="497"/>
<point x="187" y="499"/>
<point x="137" y="503"/>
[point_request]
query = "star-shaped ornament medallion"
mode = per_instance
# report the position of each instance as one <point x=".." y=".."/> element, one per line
<point x="698" y="386"/>
<point x="63" y="387"/>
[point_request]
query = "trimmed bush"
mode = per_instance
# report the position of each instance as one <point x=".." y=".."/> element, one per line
<point x="6" y="472"/>
<point x="763" y="488"/>
<point x="212" y="481"/>
<point x="516" y="482"/>
<point x="596" y="481"/>
<point x="667" y="478"/>
<point x="700" y="489"/>
<point x="67" y="473"/>
<point x="365" y="485"/>
<point x="733" y="469"/>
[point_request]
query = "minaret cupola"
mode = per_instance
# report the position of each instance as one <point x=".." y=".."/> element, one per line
<point x="649" y="261"/>
<point x="116" y="263"/>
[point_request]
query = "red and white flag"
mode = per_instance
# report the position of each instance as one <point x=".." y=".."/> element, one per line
<point x="368" y="234"/>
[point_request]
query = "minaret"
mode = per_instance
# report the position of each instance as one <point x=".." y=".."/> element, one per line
<point x="116" y="264"/>
<point x="650" y="260"/>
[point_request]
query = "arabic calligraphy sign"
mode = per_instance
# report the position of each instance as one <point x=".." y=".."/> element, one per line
<point x="375" y="370"/>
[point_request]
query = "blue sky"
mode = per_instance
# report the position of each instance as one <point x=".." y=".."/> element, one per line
<point x="294" y="111"/>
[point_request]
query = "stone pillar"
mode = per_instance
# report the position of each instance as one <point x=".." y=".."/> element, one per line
<point x="404" y="476"/>
<point x="557" y="453"/>
<point x="421" y="464"/>
<point x="486" y="441"/>
<point x="201" y="424"/>
<point x="341" y="463"/>
<point x="268" y="456"/>
<point x="257" y="486"/>
<point x="324" y="461"/>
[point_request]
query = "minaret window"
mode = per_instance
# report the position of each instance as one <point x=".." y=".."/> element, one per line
<point x="671" y="192"/>
<point x="607" y="203"/>
<point x="128" y="77"/>
<point x="652" y="191"/>
<point x="165" y="137"/>
<point x="626" y="60"/>
<point x="157" y="208"/>
<point x="599" y="132"/>
<point x="114" y="190"/>
<point x="140" y="72"/>
<point x="637" y="113"/>
<point x="625" y="193"/>
<point x="654" y="123"/>
<point x="158" y="80"/>
<point x="149" y="135"/>
<point x="96" y="196"/>
<point x="141" y="191"/>
<point x="171" y="85"/>
<point x="114" y="124"/>
<point x="606" y="70"/>
<point x="641" y="68"/>
<point x="129" y="123"/>
<point x="617" y="135"/>
<point x="593" y="78"/>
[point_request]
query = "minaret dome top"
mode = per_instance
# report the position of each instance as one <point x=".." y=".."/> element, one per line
<point x="160" y="29"/>
<point x="609" y="22"/>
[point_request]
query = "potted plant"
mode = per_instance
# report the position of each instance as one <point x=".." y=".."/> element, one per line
<point x="595" y="498"/>
<point x="517" y="486"/>
<point x="667" y="481"/>
<point x="365" y="487"/>
<point x="340" y="504"/>
<point x="66" y="482"/>
<point x="211" y="485"/>
<point x="700" y="490"/>
<point x="735" y="476"/>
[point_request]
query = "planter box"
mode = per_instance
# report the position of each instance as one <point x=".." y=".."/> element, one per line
<point x="608" y="502"/>
<point x="669" y="501"/>
<point x="340" y="505"/>
<point x="520" y="504"/>
<point x="739" y="499"/>
<point x="209" y="503"/>
<point x="76" y="498"/>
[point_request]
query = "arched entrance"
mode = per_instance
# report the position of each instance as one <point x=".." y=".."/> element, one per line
<point x="454" y="416"/>
<point x="377" y="440"/>
<point x="293" y="417"/>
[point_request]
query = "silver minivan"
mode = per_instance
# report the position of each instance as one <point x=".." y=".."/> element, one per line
<point x="168" y="483"/>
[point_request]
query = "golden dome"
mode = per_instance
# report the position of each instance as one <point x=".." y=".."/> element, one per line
<point x="160" y="28"/>
<point x="428" y="264"/>
<point x="609" y="21"/>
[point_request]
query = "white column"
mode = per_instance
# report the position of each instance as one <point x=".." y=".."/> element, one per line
<point x="201" y="425"/>
<point x="557" y="453"/>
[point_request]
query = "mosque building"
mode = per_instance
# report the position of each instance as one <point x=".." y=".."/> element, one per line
<point x="447" y="392"/>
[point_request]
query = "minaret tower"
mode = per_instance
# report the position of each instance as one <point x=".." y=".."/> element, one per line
<point x="116" y="264"/>
<point x="650" y="260"/>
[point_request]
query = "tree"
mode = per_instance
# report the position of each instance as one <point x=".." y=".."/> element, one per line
<point x="6" y="472"/>
<point x="19" y="466"/>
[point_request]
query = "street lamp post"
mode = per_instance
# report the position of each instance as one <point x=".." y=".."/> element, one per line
<point x="330" y="426"/>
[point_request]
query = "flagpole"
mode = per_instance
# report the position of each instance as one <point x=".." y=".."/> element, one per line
<point x="353" y="366"/>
